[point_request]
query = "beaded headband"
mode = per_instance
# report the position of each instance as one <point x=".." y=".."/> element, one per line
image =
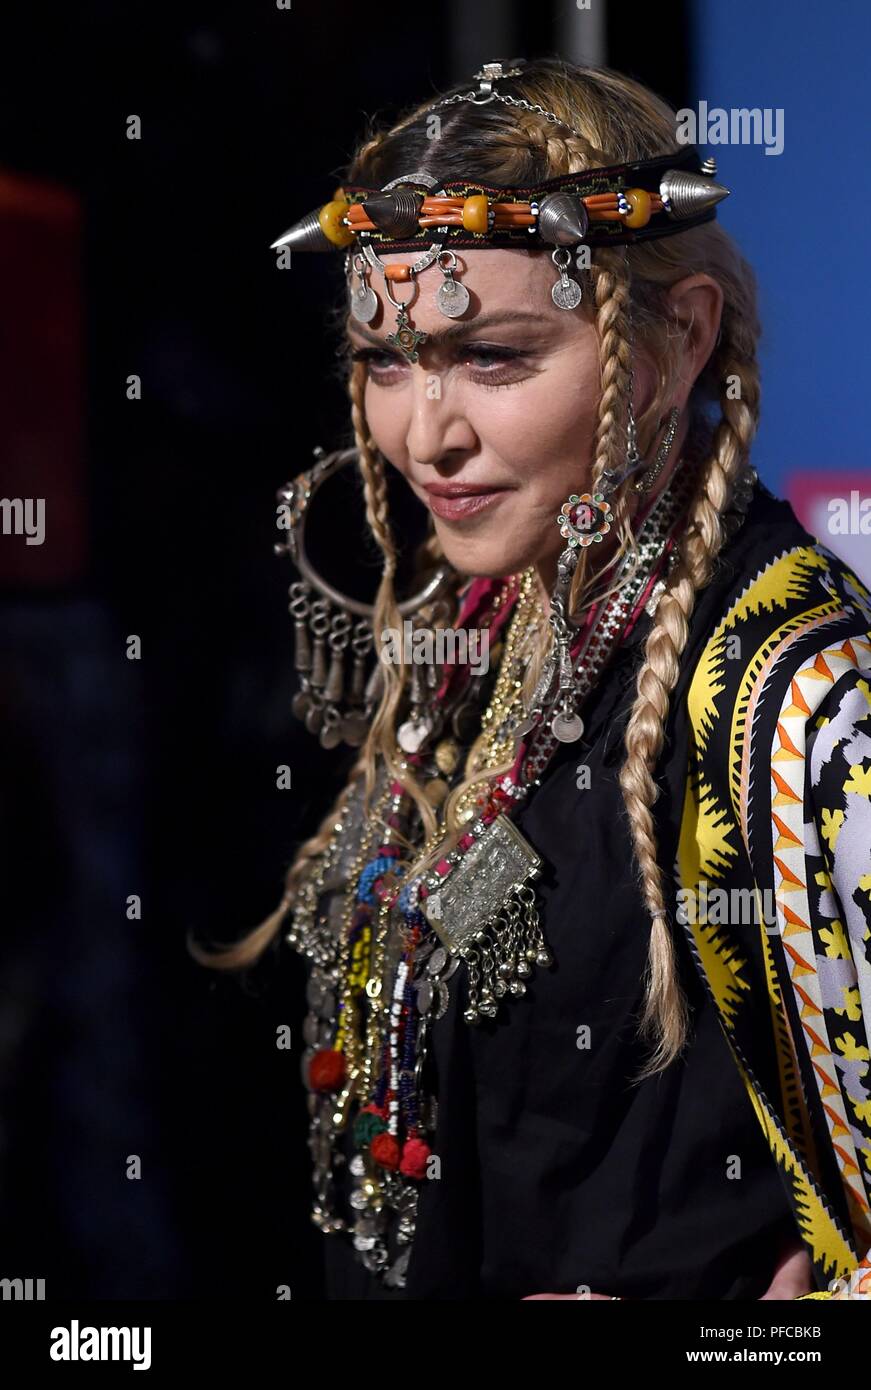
<point x="607" y="206"/>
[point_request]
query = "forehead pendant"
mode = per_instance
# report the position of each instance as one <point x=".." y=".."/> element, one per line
<point x="394" y="211"/>
<point x="404" y="337"/>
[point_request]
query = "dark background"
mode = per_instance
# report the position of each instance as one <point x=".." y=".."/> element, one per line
<point x="157" y="777"/>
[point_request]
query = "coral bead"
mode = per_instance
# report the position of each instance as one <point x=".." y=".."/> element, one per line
<point x="476" y="213"/>
<point x="330" y="219"/>
<point x="397" y="271"/>
<point x="415" y="1155"/>
<point x="639" y="199"/>
<point x="326" y="1070"/>
<point x="385" y="1150"/>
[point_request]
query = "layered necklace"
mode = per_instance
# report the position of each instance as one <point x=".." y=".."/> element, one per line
<point x="385" y="945"/>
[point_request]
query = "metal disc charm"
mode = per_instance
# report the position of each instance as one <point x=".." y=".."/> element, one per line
<point x="442" y="1000"/>
<point x="452" y="298"/>
<point x="314" y="718"/>
<point x="526" y="725"/>
<point x="437" y="961"/>
<point x="355" y="726"/>
<point x="330" y="735"/>
<point x="413" y="734"/>
<point x="364" y="304"/>
<point x="327" y="1007"/>
<point x="566" y="293"/>
<point x="567" y="727"/>
<point x="304" y="1063"/>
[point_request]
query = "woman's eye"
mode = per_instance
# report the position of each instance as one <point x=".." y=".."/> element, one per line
<point x="485" y="364"/>
<point x="377" y="361"/>
<point x="487" y="357"/>
<point x="495" y="366"/>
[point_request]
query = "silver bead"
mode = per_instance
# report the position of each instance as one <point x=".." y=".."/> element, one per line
<point x="688" y="195"/>
<point x="563" y="219"/>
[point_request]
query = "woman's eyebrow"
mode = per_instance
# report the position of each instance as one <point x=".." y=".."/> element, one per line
<point x="456" y="331"/>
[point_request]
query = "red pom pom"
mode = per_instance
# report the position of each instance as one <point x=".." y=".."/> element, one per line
<point x="327" y="1070"/>
<point x="385" y="1150"/>
<point x="414" y="1158"/>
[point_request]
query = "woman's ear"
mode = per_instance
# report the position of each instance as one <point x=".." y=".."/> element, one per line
<point x="696" y="305"/>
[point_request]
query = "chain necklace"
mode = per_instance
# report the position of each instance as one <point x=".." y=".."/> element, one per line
<point x="382" y="957"/>
<point x="491" y="747"/>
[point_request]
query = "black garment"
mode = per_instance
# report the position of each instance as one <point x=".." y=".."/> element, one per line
<point x="557" y="1173"/>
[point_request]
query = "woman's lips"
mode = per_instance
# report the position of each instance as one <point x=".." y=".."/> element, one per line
<point x="454" y="506"/>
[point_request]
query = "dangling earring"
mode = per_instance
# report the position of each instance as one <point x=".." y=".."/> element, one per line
<point x="612" y="480"/>
<point x="566" y="725"/>
<point x="646" y="481"/>
<point x="583" y="520"/>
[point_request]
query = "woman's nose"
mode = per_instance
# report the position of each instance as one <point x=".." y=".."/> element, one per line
<point x="437" y="425"/>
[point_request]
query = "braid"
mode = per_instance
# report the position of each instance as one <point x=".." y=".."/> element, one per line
<point x="615" y="359"/>
<point x="612" y="301"/>
<point x="386" y="613"/>
<point x="565" y="154"/>
<point x="664" y="1014"/>
<point x="374" y="477"/>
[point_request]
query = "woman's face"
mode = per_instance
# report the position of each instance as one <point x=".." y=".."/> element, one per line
<point x="494" y="426"/>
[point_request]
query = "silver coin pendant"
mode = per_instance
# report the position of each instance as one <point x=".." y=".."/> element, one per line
<point x="452" y="299"/>
<point x="567" y="727"/>
<point x="566" y="293"/>
<point x="364" y="305"/>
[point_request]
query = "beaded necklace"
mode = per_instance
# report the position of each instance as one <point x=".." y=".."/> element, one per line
<point x="380" y="973"/>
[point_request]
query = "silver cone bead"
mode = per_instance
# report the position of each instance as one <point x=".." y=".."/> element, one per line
<point x="305" y="235"/>
<point x="562" y="219"/>
<point x="689" y="195"/>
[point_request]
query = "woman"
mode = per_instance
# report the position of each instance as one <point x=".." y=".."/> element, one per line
<point x="588" y="926"/>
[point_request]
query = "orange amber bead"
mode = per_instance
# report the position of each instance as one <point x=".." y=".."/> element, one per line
<point x="476" y="212"/>
<point x="397" y="272"/>
<point x="639" y="199"/>
<point x="330" y="219"/>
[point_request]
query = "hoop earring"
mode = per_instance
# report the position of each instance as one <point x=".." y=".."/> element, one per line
<point x="334" y="703"/>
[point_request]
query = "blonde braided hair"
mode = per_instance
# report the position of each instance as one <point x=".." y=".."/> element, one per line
<point x="664" y="1015"/>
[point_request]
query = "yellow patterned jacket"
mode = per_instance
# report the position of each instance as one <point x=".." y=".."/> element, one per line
<point x="773" y="871"/>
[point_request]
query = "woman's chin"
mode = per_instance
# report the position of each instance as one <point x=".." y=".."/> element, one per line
<point x="486" y="561"/>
